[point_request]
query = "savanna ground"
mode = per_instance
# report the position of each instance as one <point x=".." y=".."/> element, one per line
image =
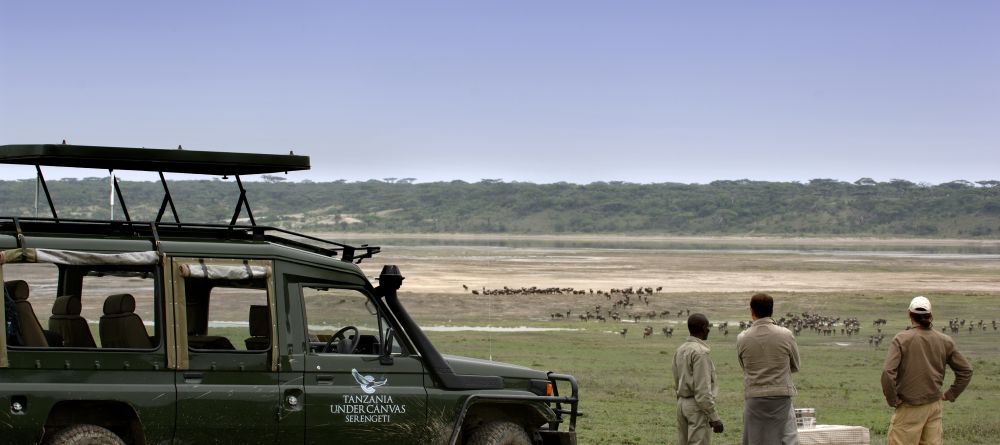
<point x="625" y="381"/>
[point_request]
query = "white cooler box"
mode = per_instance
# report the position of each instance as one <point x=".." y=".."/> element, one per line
<point x="834" y="435"/>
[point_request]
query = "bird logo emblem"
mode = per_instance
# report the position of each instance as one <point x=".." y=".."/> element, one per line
<point x="367" y="382"/>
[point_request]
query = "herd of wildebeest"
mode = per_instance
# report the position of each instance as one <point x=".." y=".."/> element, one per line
<point x="632" y="305"/>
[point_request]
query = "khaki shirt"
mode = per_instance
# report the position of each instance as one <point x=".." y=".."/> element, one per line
<point x="768" y="355"/>
<point x="914" y="367"/>
<point x="694" y="375"/>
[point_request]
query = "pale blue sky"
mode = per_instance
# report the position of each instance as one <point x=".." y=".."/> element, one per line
<point x="577" y="91"/>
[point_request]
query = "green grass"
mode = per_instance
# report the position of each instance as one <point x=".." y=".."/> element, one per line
<point x="626" y="385"/>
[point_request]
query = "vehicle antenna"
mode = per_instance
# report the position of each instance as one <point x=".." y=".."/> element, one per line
<point x="37" y="181"/>
<point x="111" y="192"/>
<point x="489" y="330"/>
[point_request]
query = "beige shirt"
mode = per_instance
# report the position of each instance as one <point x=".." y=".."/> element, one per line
<point x="914" y="367"/>
<point x="694" y="375"/>
<point x="768" y="355"/>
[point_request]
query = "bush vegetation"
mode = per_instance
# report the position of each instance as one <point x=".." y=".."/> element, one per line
<point x="821" y="207"/>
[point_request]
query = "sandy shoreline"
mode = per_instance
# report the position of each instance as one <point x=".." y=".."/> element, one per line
<point x="446" y="269"/>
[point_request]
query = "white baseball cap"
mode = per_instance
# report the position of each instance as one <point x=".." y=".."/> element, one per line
<point x="920" y="305"/>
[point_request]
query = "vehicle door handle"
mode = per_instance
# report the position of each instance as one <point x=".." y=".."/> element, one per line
<point x="193" y="377"/>
<point x="324" y="379"/>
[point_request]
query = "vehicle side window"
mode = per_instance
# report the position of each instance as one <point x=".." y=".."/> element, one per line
<point x="237" y="319"/>
<point x="94" y="306"/>
<point x="334" y="317"/>
<point x="226" y="306"/>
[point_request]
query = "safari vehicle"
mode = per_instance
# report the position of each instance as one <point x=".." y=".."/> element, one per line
<point x="125" y="331"/>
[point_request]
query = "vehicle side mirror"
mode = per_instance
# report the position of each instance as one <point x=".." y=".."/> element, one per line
<point x="385" y="357"/>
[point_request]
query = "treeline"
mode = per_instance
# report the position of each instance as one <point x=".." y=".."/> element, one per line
<point x="820" y="207"/>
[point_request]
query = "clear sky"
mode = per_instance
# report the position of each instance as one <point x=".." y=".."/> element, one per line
<point x="539" y="91"/>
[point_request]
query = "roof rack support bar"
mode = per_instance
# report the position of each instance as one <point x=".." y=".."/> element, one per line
<point x="17" y="230"/>
<point x="167" y="199"/>
<point x="45" y="187"/>
<point x="121" y="199"/>
<point x="156" y="238"/>
<point x="240" y="203"/>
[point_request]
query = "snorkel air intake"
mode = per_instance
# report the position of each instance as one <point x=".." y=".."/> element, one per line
<point x="390" y="280"/>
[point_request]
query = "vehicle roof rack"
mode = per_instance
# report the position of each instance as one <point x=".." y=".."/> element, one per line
<point x="172" y="161"/>
<point x="152" y="160"/>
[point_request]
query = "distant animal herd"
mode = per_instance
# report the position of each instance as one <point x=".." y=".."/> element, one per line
<point x="631" y="305"/>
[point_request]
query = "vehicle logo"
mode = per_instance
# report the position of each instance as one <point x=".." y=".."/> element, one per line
<point x="367" y="382"/>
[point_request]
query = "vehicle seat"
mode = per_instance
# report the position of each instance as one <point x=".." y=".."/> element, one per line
<point x="67" y="322"/>
<point x="31" y="329"/>
<point x="260" y="328"/>
<point x="210" y="342"/>
<point x="120" y="327"/>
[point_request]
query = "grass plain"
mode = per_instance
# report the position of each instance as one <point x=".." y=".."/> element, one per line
<point x="625" y="381"/>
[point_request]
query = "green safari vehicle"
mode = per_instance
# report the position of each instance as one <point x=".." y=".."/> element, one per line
<point x="166" y="332"/>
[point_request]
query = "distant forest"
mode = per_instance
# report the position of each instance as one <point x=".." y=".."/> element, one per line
<point x="821" y="207"/>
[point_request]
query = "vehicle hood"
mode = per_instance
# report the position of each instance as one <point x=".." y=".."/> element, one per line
<point x="466" y="365"/>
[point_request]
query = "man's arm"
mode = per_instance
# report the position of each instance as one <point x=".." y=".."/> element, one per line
<point x="890" y="371"/>
<point x="739" y="350"/>
<point x="794" y="355"/>
<point x="963" y="375"/>
<point x="677" y="374"/>
<point x="701" y="365"/>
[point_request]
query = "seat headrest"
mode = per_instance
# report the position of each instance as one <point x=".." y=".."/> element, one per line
<point x="260" y="321"/>
<point x="18" y="289"/>
<point x="66" y="305"/>
<point x="119" y="304"/>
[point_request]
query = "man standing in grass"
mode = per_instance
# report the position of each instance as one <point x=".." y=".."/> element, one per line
<point x="768" y="355"/>
<point x="694" y="379"/>
<point x="912" y="378"/>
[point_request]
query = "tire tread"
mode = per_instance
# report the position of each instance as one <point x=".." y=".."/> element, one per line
<point x="499" y="432"/>
<point x="85" y="434"/>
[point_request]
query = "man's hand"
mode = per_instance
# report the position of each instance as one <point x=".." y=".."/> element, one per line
<point x="716" y="426"/>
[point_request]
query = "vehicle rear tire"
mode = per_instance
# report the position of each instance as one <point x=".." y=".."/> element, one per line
<point x="499" y="433"/>
<point x="85" y="435"/>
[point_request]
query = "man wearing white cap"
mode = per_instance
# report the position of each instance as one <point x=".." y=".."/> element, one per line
<point x="913" y="375"/>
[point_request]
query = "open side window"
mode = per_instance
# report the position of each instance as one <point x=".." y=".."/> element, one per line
<point x="345" y="321"/>
<point x="81" y="300"/>
<point x="227" y="305"/>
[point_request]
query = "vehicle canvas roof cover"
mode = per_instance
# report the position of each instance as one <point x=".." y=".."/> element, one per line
<point x="149" y="159"/>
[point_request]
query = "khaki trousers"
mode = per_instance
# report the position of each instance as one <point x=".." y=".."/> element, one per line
<point x="692" y="424"/>
<point x="916" y="425"/>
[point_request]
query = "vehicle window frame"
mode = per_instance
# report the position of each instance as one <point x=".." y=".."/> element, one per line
<point x="180" y="288"/>
<point x="383" y="321"/>
<point x="159" y="330"/>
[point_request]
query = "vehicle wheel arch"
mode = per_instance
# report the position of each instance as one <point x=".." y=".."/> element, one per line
<point x="529" y="416"/>
<point x="116" y="416"/>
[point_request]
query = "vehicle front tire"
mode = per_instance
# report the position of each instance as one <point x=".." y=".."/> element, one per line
<point x="85" y="435"/>
<point x="499" y="433"/>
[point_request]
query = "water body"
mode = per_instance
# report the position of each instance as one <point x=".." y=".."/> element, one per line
<point x="895" y="247"/>
<point x="751" y="244"/>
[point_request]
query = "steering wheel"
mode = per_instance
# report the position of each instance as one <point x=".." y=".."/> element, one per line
<point x="343" y="347"/>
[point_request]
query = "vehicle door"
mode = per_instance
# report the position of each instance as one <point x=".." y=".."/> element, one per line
<point x="353" y="393"/>
<point x="72" y="358"/>
<point x="227" y="379"/>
